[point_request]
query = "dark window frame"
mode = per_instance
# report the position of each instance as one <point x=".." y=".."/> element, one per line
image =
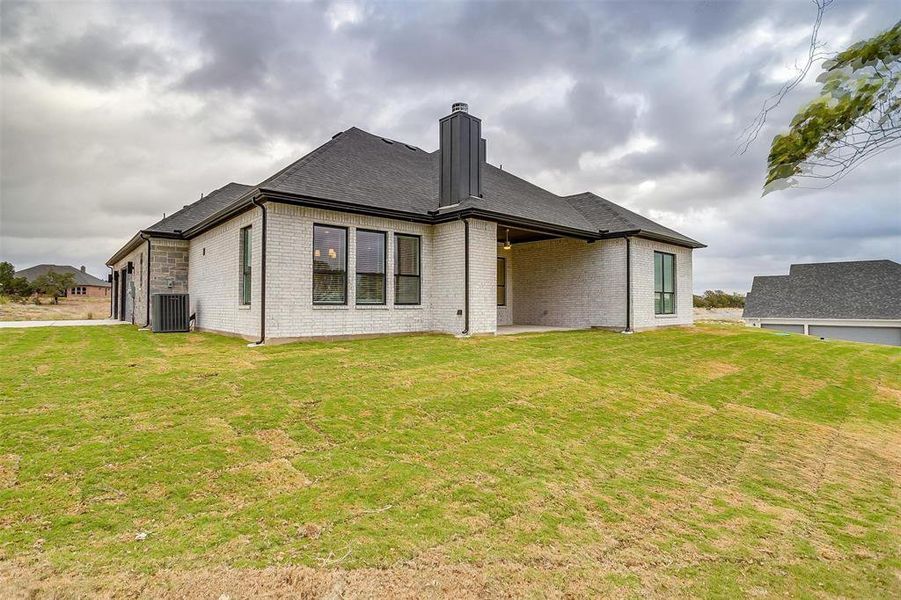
<point x="503" y="261"/>
<point x="313" y="265"/>
<point x="397" y="275"/>
<point x="661" y="291"/>
<point x="384" y="272"/>
<point x="245" y="269"/>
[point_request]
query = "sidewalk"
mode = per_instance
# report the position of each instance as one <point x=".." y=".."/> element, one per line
<point x="63" y="323"/>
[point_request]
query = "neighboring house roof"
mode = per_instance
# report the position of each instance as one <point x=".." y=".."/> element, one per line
<point x="868" y="289"/>
<point x="359" y="170"/>
<point x="81" y="278"/>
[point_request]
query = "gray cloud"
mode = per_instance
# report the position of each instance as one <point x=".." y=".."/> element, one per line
<point x="115" y="113"/>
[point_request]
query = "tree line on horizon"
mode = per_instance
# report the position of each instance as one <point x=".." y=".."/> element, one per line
<point x="719" y="299"/>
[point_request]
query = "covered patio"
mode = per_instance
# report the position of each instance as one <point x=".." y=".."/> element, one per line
<point x="549" y="282"/>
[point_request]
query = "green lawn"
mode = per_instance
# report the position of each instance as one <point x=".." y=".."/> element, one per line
<point x="713" y="461"/>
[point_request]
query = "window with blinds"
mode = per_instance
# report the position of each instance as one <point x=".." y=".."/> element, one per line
<point x="664" y="283"/>
<point x="407" y="269"/>
<point x="245" y="265"/>
<point x="501" y="281"/>
<point x="329" y="265"/>
<point x="370" y="267"/>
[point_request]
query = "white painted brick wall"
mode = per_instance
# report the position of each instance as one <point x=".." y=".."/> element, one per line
<point x="214" y="277"/>
<point x="643" y="316"/>
<point x="289" y="303"/>
<point x="563" y="282"/>
<point x="557" y="282"/>
<point x="447" y="290"/>
<point x="482" y="276"/>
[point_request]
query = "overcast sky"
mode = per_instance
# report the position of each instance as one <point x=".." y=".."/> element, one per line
<point x="113" y="114"/>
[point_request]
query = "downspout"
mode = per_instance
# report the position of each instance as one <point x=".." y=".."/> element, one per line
<point x="466" y="277"/>
<point x="256" y="202"/>
<point x="628" y="285"/>
<point x="147" y="301"/>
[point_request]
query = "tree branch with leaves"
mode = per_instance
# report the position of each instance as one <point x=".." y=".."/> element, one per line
<point x="856" y="116"/>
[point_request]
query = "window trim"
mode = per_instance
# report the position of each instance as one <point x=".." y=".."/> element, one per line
<point x="663" y="311"/>
<point x="418" y="262"/>
<point x="313" y="264"/>
<point x="503" y="259"/>
<point x="384" y="272"/>
<point x="245" y="270"/>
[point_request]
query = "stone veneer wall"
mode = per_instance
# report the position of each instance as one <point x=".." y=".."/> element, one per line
<point x="168" y="266"/>
<point x="135" y="285"/>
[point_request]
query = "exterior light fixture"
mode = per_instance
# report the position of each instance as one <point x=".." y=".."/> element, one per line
<point x="332" y="253"/>
<point x="507" y="244"/>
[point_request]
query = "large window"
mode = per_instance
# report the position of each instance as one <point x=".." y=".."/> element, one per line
<point x="664" y="283"/>
<point x="501" y="281"/>
<point x="370" y="267"/>
<point x="245" y="265"/>
<point x="329" y="265"/>
<point x="407" y="269"/>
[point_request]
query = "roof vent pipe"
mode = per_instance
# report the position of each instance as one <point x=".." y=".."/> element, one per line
<point x="459" y="107"/>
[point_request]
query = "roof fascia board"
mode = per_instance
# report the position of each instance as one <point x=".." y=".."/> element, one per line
<point x="262" y="194"/>
<point x="640" y="233"/>
<point x="124" y="250"/>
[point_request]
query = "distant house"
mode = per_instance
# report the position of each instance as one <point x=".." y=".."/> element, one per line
<point x="858" y="301"/>
<point x="85" y="283"/>
<point x="369" y="235"/>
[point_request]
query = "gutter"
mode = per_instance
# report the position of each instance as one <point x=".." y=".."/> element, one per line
<point x="255" y="201"/>
<point x="147" y="301"/>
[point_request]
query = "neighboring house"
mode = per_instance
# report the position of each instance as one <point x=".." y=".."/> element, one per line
<point x="369" y="235"/>
<point x="858" y="301"/>
<point x="85" y="283"/>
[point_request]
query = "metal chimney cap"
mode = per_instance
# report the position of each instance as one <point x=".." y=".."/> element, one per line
<point x="459" y="107"/>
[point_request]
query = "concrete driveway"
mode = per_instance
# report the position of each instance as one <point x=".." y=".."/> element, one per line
<point x="66" y="323"/>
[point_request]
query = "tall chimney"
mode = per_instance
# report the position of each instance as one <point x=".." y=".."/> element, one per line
<point x="461" y="156"/>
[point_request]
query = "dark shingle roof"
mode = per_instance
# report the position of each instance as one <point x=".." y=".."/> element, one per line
<point x="81" y="278"/>
<point x="869" y="289"/>
<point x="194" y="213"/>
<point x="606" y="215"/>
<point x="364" y="169"/>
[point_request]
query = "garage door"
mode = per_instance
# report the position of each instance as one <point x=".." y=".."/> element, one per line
<point x="890" y="336"/>
<point x="783" y="327"/>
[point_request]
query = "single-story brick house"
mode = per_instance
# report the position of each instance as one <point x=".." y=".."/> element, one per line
<point x="858" y="301"/>
<point x="368" y="235"/>
<point x="85" y="283"/>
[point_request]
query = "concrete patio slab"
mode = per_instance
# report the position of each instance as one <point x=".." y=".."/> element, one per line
<point x="61" y="323"/>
